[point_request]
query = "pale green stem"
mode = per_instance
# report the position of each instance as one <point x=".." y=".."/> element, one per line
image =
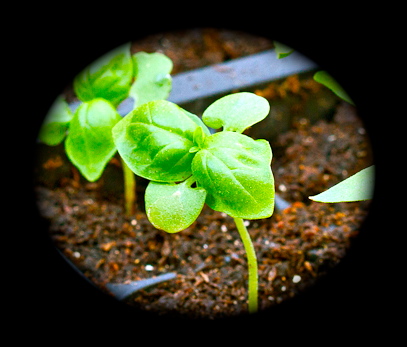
<point x="252" y="264"/>
<point x="129" y="188"/>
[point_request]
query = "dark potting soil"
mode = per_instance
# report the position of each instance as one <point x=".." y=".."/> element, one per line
<point x="295" y="247"/>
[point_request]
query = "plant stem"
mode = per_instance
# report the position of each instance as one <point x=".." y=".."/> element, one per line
<point x="252" y="264"/>
<point x="129" y="188"/>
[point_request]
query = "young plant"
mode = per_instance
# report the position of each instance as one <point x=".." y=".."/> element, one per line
<point x="187" y="166"/>
<point x="101" y="87"/>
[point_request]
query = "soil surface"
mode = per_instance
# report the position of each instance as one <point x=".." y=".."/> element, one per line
<point x="295" y="247"/>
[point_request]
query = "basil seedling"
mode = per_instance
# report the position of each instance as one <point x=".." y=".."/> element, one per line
<point x="187" y="166"/>
<point x="101" y="87"/>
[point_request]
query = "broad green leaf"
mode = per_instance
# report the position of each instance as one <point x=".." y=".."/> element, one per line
<point x="109" y="77"/>
<point x="235" y="171"/>
<point x="173" y="207"/>
<point x="56" y="123"/>
<point x="155" y="141"/>
<point x="236" y="112"/>
<point x="152" y="77"/>
<point x="355" y="188"/>
<point x="89" y="144"/>
<point x="328" y="81"/>
<point x="282" y="50"/>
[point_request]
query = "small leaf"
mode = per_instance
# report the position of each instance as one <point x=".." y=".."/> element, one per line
<point x="173" y="207"/>
<point x="282" y="50"/>
<point x="235" y="171"/>
<point x="355" y="188"/>
<point x="152" y="77"/>
<point x="155" y="141"/>
<point x="236" y="112"/>
<point x="56" y="123"/>
<point x="109" y="77"/>
<point x="89" y="144"/>
<point x="328" y="81"/>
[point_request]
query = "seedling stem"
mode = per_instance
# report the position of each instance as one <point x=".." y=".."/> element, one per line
<point x="252" y="264"/>
<point x="129" y="188"/>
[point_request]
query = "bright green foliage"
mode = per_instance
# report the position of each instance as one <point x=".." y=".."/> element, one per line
<point x="235" y="171"/>
<point x="236" y="112"/>
<point x="89" y="144"/>
<point x="152" y="77"/>
<point x="355" y="188"/>
<point x="173" y="207"/>
<point x="155" y="141"/>
<point x="112" y="78"/>
<point x="328" y="81"/>
<point x="56" y="123"/>
<point x="109" y="77"/>
<point x="164" y="143"/>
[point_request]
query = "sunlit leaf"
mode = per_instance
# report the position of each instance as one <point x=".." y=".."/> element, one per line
<point x="235" y="171"/>
<point x="155" y="141"/>
<point x="236" y="112"/>
<point x="328" y="81"/>
<point x="355" y="188"/>
<point x="173" y="207"/>
<point x="109" y="77"/>
<point x="89" y="144"/>
<point x="152" y="77"/>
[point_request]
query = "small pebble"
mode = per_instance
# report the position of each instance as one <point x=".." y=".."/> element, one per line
<point x="296" y="279"/>
<point x="149" y="267"/>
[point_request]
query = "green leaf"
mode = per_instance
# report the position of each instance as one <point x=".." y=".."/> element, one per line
<point x="355" y="188"/>
<point x="173" y="207"/>
<point x="328" y="81"/>
<point x="236" y="112"/>
<point x="89" y="144"/>
<point x="153" y="79"/>
<point x="109" y="77"/>
<point x="282" y="50"/>
<point x="155" y="141"/>
<point x="56" y="123"/>
<point x="235" y="171"/>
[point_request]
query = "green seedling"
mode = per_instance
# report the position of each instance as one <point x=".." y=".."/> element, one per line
<point x="188" y="166"/>
<point x="101" y="87"/>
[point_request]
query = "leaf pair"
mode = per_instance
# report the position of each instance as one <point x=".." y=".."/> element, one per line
<point x="166" y="144"/>
<point x="111" y="77"/>
<point x="102" y="86"/>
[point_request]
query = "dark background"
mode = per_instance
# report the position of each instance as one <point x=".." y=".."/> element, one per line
<point x="357" y="297"/>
